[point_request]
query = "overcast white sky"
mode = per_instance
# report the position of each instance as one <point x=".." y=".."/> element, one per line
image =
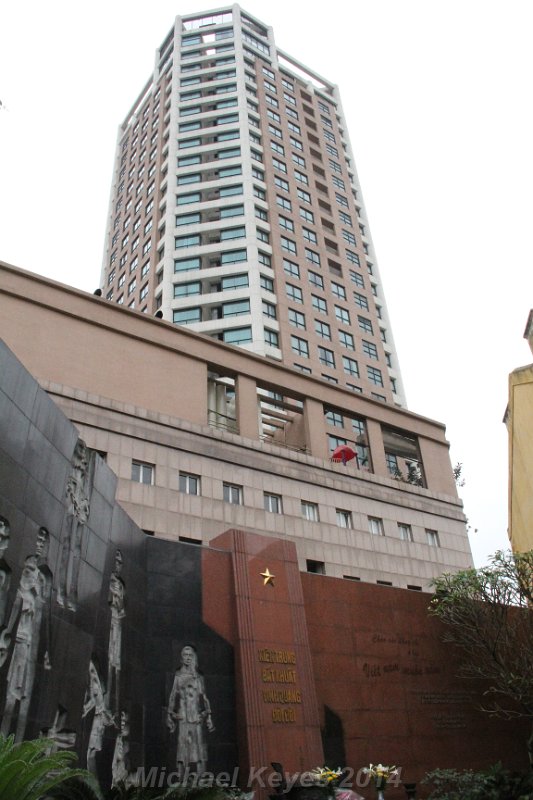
<point x="437" y="95"/>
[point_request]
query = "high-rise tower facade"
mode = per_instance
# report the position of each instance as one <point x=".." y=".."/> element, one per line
<point x="236" y="208"/>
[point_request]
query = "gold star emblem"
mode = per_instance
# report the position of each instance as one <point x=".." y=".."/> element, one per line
<point x="267" y="577"/>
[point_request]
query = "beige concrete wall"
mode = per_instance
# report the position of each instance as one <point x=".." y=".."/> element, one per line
<point x="78" y="340"/>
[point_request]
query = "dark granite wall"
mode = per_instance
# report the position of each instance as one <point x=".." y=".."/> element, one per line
<point x="46" y="647"/>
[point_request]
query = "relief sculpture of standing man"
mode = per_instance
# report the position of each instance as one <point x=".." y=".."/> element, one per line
<point x="116" y="600"/>
<point x="78" y="494"/>
<point x="29" y="621"/>
<point x="5" y="569"/>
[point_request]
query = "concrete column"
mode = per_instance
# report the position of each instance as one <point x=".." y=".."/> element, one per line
<point x="247" y="407"/>
<point x="377" y="450"/>
<point x="437" y="466"/>
<point x="315" y="428"/>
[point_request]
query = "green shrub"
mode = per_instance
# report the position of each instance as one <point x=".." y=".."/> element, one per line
<point x="495" y="783"/>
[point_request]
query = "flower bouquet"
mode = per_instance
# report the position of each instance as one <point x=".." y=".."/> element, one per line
<point x="332" y="779"/>
<point x="381" y="775"/>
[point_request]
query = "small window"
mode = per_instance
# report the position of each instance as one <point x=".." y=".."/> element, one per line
<point x="233" y="493"/>
<point x="310" y="511"/>
<point x="375" y="526"/>
<point x="432" y="538"/>
<point x="142" y="473"/>
<point x="344" y="518"/>
<point x="316" y="567"/>
<point x="189" y="484"/>
<point x="405" y="532"/>
<point x="273" y="503"/>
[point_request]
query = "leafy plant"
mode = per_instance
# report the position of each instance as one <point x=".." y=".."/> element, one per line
<point x="496" y="783"/>
<point x="488" y="614"/>
<point x="28" y="771"/>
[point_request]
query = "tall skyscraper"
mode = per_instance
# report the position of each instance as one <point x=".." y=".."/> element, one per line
<point x="236" y="209"/>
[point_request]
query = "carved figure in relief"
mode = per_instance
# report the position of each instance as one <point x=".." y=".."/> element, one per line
<point x="60" y="737"/>
<point x="5" y="569"/>
<point x="120" y="766"/>
<point x="78" y="493"/>
<point x="189" y="708"/>
<point x="30" y="620"/>
<point x="116" y="600"/>
<point x="95" y="701"/>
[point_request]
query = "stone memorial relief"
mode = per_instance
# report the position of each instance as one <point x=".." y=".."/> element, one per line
<point x="189" y="711"/>
<point x="28" y="628"/>
<point x="61" y="738"/>
<point x="95" y="701"/>
<point x="78" y="496"/>
<point x="120" y="768"/>
<point x="5" y="569"/>
<point x="116" y="600"/>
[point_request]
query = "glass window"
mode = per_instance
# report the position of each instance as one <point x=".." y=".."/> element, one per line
<point x="231" y="211"/>
<point x="370" y="349"/>
<point x="344" y="518"/>
<point x="142" y="473"/>
<point x="285" y="222"/>
<point x="228" y="191"/>
<point x="271" y="338"/>
<point x="184" y="199"/>
<point x="347" y="340"/>
<point x="374" y="375"/>
<point x="187" y="289"/>
<point x="237" y="335"/>
<point x="319" y="303"/>
<point x="187" y="316"/>
<point x="323" y="329"/>
<point x="273" y="503"/>
<point x="334" y="418"/>
<point x="288" y="245"/>
<point x="291" y="268"/>
<point x="310" y="511"/>
<point x="303" y="195"/>
<point x="229" y="153"/>
<point x="296" y="318"/>
<point x="188" y="219"/>
<point x="338" y="290"/>
<point x="326" y="357"/>
<point x="281" y="183"/>
<point x="186" y="264"/>
<point x="300" y="346"/>
<point x="269" y="310"/>
<point x="189" y="484"/>
<point x="375" y="526"/>
<point x="233" y="233"/>
<point x="360" y="300"/>
<point x="187" y="241"/>
<point x="405" y="532"/>
<point x="350" y="366"/>
<point x="294" y="293"/>
<point x="234" y="282"/>
<point x="283" y="202"/>
<point x="236" y="309"/>
<point x="232" y="256"/>
<point x="232" y="493"/>
<point x="307" y="215"/>
<point x="432" y="538"/>
<point x="365" y="324"/>
<point x="315" y="279"/>
<point x="342" y="315"/>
